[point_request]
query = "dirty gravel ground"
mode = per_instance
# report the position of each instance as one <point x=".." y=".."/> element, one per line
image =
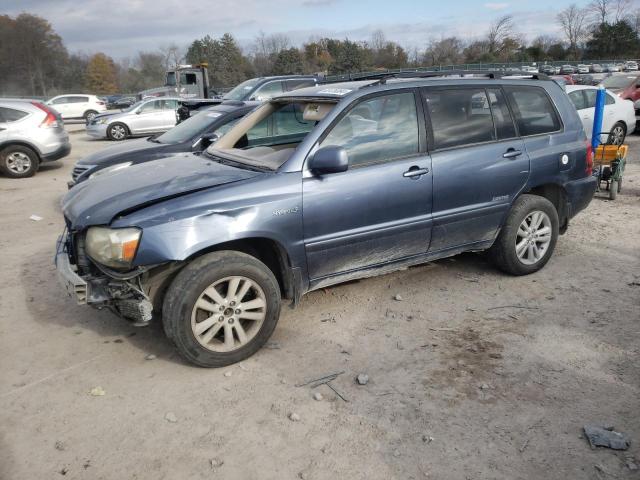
<point x="473" y="375"/>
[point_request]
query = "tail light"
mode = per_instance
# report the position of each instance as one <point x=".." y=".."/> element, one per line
<point x="51" y="120"/>
<point x="100" y="103"/>
<point x="589" y="168"/>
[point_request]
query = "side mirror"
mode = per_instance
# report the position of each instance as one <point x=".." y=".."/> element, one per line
<point x="329" y="159"/>
<point x="208" y="139"/>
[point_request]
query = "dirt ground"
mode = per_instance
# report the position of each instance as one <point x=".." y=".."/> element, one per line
<point x="473" y="374"/>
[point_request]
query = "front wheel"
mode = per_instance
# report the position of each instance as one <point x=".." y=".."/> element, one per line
<point x="221" y="308"/>
<point x="117" y="131"/>
<point x="528" y="237"/>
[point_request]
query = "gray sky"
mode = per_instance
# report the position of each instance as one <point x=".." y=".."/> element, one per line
<point x="120" y="28"/>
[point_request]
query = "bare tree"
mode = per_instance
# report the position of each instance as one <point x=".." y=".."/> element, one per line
<point x="622" y="9"/>
<point x="378" y="40"/>
<point x="172" y="56"/>
<point x="446" y="51"/>
<point x="572" y="20"/>
<point x="499" y="31"/>
<point x="600" y="10"/>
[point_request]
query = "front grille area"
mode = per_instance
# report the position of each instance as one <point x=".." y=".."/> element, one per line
<point x="78" y="170"/>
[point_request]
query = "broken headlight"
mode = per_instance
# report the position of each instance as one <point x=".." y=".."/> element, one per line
<point x="113" y="247"/>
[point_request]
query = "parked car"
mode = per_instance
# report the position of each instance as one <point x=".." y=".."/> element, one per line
<point x="120" y="101"/>
<point x="264" y="88"/>
<point x="631" y="67"/>
<point x="567" y="70"/>
<point x="31" y="133"/>
<point x="143" y="118"/>
<point x="192" y="135"/>
<point x="611" y="68"/>
<point x="626" y="86"/>
<point x="563" y="80"/>
<point x="76" y="107"/>
<point x="596" y="68"/>
<point x="583" y="68"/>
<point x="619" y="115"/>
<point x="584" y="79"/>
<point x="557" y="70"/>
<point x="347" y="184"/>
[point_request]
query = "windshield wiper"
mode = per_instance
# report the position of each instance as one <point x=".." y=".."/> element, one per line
<point x="234" y="163"/>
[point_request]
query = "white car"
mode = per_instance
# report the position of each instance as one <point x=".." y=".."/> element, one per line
<point x="147" y="117"/>
<point x="583" y="68"/>
<point x="619" y="115"/>
<point x="77" y="106"/>
<point x="631" y="66"/>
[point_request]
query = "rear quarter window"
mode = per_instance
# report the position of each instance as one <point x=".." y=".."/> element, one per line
<point x="11" y="114"/>
<point x="533" y="109"/>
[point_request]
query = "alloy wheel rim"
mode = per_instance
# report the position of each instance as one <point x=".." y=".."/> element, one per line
<point x="118" y="132"/>
<point x="228" y="314"/>
<point x="618" y="133"/>
<point x="18" y="162"/>
<point x="90" y="116"/>
<point x="533" y="237"/>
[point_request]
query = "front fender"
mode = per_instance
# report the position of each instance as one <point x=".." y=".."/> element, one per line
<point x="179" y="228"/>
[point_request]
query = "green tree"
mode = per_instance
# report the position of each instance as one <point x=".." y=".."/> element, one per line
<point x="288" y="62"/>
<point x="613" y="41"/>
<point x="102" y="75"/>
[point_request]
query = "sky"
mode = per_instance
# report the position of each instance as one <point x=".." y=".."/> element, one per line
<point x="121" y="28"/>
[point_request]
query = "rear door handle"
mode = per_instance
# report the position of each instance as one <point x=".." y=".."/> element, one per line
<point x="512" y="153"/>
<point x="415" y="172"/>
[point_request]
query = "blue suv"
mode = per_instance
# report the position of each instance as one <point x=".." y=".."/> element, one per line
<point x="320" y="186"/>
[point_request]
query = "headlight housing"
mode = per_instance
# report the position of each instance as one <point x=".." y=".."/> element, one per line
<point x="102" y="121"/>
<point x="113" y="247"/>
<point x="112" y="168"/>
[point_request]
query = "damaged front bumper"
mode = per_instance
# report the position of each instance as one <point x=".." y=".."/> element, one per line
<point x="122" y="296"/>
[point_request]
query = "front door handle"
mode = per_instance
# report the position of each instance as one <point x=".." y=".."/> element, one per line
<point x="512" y="153"/>
<point x="415" y="172"/>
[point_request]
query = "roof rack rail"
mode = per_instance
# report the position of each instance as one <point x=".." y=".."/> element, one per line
<point x="382" y="78"/>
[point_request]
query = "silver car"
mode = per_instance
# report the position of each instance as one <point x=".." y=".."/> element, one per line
<point x="30" y="133"/>
<point x="143" y="118"/>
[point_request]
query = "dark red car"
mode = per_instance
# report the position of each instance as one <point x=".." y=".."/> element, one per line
<point x="626" y="86"/>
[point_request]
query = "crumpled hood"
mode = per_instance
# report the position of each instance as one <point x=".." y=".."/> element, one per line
<point x="98" y="200"/>
<point x="129" y="148"/>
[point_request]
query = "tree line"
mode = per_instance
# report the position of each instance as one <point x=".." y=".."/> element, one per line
<point x="35" y="62"/>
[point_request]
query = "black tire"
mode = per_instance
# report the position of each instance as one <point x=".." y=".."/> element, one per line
<point x="89" y="115"/>
<point x="189" y="285"/>
<point x="114" y="131"/>
<point x="503" y="252"/>
<point x="10" y="168"/>
<point x="613" y="189"/>
<point x="618" y="134"/>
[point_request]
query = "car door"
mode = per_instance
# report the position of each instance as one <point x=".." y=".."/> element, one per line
<point x="79" y="105"/>
<point x="147" y="117"/>
<point x="608" y="119"/>
<point x="61" y="105"/>
<point x="579" y="100"/>
<point x="379" y="210"/>
<point x="479" y="163"/>
<point x="169" y="117"/>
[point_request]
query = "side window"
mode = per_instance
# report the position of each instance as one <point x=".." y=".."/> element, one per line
<point x="260" y="130"/>
<point x="533" y="109"/>
<point x="302" y="83"/>
<point x="188" y="79"/>
<point x="590" y="98"/>
<point x="11" y="115"/>
<point x="609" y="100"/>
<point x="268" y="90"/>
<point x="78" y="99"/>
<point x="501" y="115"/>
<point x="61" y="100"/>
<point x="151" y="106"/>
<point x="459" y="117"/>
<point x="288" y="121"/>
<point x="169" y="104"/>
<point x="578" y="99"/>
<point x="381" y="128"/>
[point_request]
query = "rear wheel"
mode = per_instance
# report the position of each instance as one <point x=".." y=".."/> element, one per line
<point x="117" y="131"/>
<point x="17" y="161"/>
<point x="528" y="237"/>
<point x="618" y="134"/>
<point x="89" y="115"/>
<point x="221" y="308"/>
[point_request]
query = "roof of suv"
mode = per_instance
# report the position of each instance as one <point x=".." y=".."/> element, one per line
<point x="336" y="91"/>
